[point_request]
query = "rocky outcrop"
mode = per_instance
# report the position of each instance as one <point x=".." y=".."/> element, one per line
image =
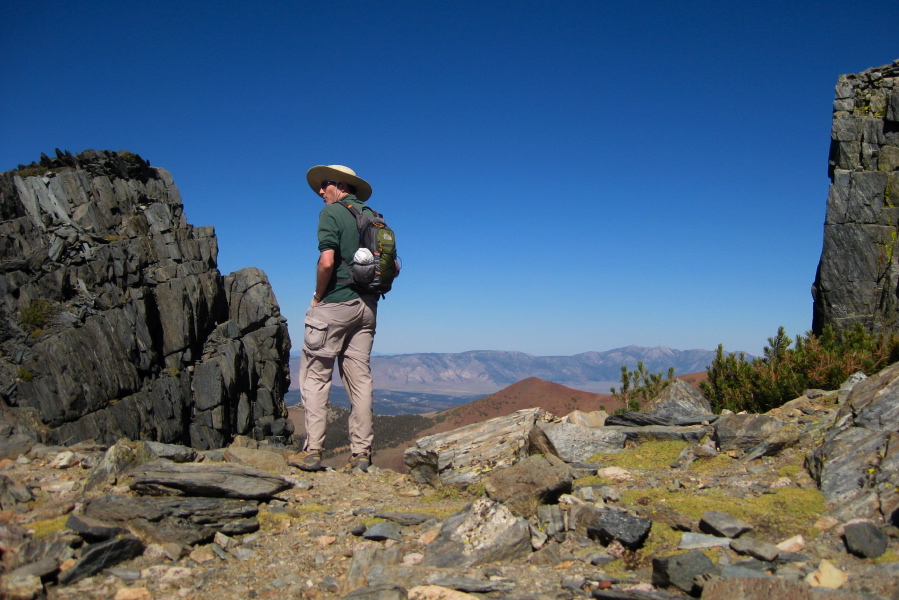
<point x="115" y="321"/>
<point x="858" y="273"/>
<point x="857" y="464"/>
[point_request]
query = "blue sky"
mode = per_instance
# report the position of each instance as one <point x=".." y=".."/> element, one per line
<point x="562" y="176"/>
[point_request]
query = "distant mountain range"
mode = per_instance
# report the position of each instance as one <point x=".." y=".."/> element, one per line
<point x="481" y="372"/>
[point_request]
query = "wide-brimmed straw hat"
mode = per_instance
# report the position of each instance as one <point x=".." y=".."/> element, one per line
<point x="341" y="174"/>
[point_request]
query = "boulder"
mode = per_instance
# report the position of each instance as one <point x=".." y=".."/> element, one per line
<point x="681" y="404"/>
<point x="217" y="480"/>
<point x="484" y="532"/>
<point x="856" y="463"/>
<point x="679" y="571"/>
<point x="543" y="477"/>
<point x="186" y="521"/>
<point x="854" y="283"/>
<point x="575" y="443"/>
<point x="865" y="539"/>
<point x="115" y="321"/>
<point x="596" y="418"/>
<point x="460" y="456"/>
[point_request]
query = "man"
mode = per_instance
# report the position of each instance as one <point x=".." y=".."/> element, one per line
<point x="340" y="323"/>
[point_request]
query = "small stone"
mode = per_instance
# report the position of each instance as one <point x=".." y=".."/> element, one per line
<point x="722" y="524"/>
<point x="436" y="592"/>
<point x="140" y="593"/>
<point x="616" y="474"/>
<point x="24" y="587"/>
<point x="792" y="545"/>
<point x="696" y="541"/>
<point x="826" y="523"/>
<point x="202" y="554"/>
<point x="755" y="548"/>
<point x="827" y="576"/>
<point x="224" y="541"/>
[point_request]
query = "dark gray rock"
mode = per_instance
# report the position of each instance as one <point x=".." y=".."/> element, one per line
<point x="662" y="433"/>
<point x="608" y="525"/>
<point x="551" y="519"/>
<point x="854" y="284"/>
<point x="386" y="530"/>
<point x="680" y="402"/>
<point x="722" y="524"/>
<point x="859" y="457"/>
<point x="186" y="521"/>
<point x="484" y="532"/>
<point x="680" y="571"/>
<point x="545" y="477"/>
<point x="93" y="530"/>
<point x="405" y="519"/>
<point x="126" y="306"/>
<point x="865" y="539"/>
<point x="755" y="548"/>
<point x="218" y="480"/>
<point x="577" y="444"/>
<point x="460" y="456"/>
<point x="96" y="557"/>
<point x="13" y="493"/>
<point x="745" y="431"/>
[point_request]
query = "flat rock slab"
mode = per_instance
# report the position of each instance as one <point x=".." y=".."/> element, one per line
<point x="183" y="520"/>
<point x="460" y="456"/>
<point x="405" y="519"/>
<point x="93" y="530"/>
<point x="96" y="557"/>
<point x="218" y="480"/>
<point x="722" y="524"/>
<point x="577" y="444"/>
<point x="663" y="433"/>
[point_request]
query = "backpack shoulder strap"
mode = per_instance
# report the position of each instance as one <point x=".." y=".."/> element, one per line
<point x="358" y="213"/>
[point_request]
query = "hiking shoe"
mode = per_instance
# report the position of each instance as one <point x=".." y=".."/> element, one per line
<point x="310" y="461"/>
<point x="361" y="461"/>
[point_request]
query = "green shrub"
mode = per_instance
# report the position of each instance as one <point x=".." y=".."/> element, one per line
<point x="37" y="315"/>
<point x="646" y="386"/>
<point x="785" y="372"/>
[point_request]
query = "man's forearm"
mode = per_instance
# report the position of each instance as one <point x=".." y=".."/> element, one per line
<point x="323" y="273"/>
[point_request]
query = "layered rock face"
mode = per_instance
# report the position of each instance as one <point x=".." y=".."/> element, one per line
<point x="858" y="274"/>
<point x="114" y="319"/>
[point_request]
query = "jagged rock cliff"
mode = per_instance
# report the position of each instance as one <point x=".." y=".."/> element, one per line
<point x="115" y="321"/>
<point x="858" y="273"/>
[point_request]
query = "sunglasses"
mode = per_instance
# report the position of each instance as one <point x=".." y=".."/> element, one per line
<point x="325" y="184"/>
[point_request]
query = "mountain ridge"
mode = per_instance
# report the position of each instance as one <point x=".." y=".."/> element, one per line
<point x="487" y="371"/>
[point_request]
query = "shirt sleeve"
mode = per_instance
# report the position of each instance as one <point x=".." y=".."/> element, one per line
<point x="328" y="238"/>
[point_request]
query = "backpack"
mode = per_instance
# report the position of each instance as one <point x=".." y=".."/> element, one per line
<point x="375" y="264"/>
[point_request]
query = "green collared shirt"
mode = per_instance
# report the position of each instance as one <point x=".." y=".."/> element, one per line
<point x="337" y="231"/>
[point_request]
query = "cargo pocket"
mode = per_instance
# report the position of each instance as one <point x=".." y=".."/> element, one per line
<point x="315" y="334"/>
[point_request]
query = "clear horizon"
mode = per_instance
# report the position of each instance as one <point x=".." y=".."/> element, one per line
<point x="561" y="177"/>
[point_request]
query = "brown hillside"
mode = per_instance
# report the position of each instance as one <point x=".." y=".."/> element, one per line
<point x="527" y="393"/>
